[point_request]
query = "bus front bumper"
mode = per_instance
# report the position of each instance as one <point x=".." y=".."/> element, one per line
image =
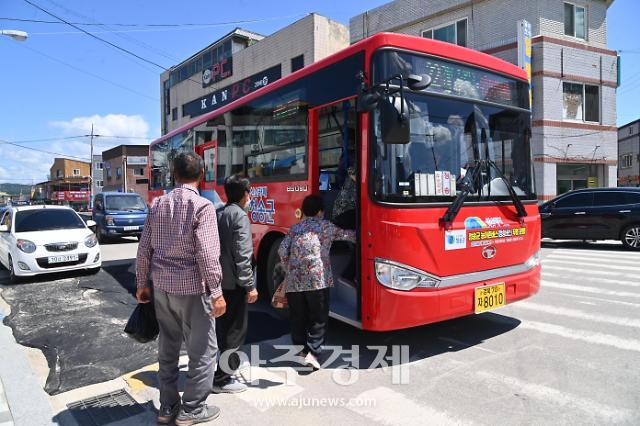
<point x="390" y="309"/>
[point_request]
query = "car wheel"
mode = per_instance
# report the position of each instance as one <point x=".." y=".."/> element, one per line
<point x="631" y="237"/>
<point x="273" y="260"/>
<point x="12" y="274"/>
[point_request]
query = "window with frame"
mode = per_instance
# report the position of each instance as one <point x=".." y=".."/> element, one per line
<point x="118" y="171"/>
<point x="174" y="114"/>
<point x="297" y="63"/>
<point x="99" y="183"/>
<point x="138" y="172"/>
<point x="574" y="21"/>
<point x="58" y="173"/>
<point x="99" y="166"/>
<point x="76" y="172"/>
<point x="580" y="102"/>
<point x="626" y="161"/>
<point x="455" y="33"/>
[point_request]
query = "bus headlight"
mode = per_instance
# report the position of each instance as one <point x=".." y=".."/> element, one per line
<point x="400" y="277"/>
<point x="533" y="261"/>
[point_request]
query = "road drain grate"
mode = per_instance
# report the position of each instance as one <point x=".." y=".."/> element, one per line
<point x="104" y="409"/>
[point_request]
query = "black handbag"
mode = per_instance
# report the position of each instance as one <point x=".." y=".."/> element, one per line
<point x="143" y="325"/>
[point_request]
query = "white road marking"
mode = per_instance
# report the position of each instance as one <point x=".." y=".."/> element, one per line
<point x="583" y="335"/>
<point x="599" y="253"/>
<point x="599" y="299"/>
<point x="574" y="313"/>
<point x="608" y="266"/>
<point x="583" y="271"/>
<point x="560" y="398"/>
<point x="596" y="259"/>
<point x="597" y="280"/>
<point x="585" y="289"/>
<point x="394" y="408"/>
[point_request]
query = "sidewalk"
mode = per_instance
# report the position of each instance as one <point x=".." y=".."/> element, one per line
<point x="23" y="401"/>
<point x="5" y="414"/>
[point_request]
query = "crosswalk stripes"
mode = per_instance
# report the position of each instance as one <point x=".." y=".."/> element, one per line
<point x="595" y="259"/>
<point x="577" y="314"/>
<point x="395" y="408"/>
<point x="598" y="281"/>
<point x="609" y="266"/>
<point x="599" y="300"/>
<point x="586" y="289"/>
<point x="618" y="254"/>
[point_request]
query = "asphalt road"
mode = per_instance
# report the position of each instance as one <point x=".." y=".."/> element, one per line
<point x="571" y="354"/>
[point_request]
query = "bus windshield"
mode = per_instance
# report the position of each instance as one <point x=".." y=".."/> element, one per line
<point x="448" y="135"/>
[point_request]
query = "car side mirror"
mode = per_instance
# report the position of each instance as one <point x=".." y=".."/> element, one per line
<point x="91" y="224"/>
<point x="4" y="228"/>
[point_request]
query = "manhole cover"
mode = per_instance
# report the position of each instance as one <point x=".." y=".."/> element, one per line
<point x="104" y="409"/>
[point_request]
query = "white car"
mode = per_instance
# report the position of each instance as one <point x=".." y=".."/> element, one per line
<point x="45" y="239"/>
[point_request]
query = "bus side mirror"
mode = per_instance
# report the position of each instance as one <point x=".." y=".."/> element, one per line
<point x="368" y="101"/>
<point x="394" y="124"/>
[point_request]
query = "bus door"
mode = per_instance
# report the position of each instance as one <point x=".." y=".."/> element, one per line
<point x="336" y="130"/>
<point x="209" y="188"/>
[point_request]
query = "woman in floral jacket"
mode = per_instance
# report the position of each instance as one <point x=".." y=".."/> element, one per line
<point x="305" y="254"/>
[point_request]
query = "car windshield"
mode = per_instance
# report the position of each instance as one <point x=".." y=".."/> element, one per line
<point x="47" y="220"/>
<point x="125" y="203"/>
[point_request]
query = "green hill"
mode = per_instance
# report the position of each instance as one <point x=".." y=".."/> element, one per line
<point x="15" y="188"/>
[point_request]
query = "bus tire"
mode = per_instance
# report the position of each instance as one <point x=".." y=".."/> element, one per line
<point x="272" y="260"/>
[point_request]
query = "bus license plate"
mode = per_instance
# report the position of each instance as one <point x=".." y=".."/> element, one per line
<point x="62" y="259"/>
<point x="130" y="228"/>
<point x="489" y="297"/>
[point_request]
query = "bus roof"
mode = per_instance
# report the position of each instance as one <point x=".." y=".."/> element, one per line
<point x="370" y="44"/>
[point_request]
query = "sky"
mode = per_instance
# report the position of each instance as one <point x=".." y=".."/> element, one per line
<point x="59" y="82"/>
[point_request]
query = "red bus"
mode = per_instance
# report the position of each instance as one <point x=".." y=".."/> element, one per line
<point x="439" y="135"/>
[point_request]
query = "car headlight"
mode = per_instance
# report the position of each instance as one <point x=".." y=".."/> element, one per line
<point x="91" y="241"/>
<point x="26" y="246"/>
<point x="400" y="277"/>
<point x="533" y="261"/>
<point x="109" y="220"/>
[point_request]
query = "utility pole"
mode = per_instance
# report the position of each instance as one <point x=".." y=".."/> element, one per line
<point x="91" y="172"/>
<point x="124" y="171"/>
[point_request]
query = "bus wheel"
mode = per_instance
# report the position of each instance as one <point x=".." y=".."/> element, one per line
<point x="272" y="261"/>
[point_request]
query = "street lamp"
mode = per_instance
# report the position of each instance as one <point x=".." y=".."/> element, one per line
<point x="15" y="34"/>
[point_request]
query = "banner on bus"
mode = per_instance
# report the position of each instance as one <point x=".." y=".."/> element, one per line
<point x="230" y="93"/>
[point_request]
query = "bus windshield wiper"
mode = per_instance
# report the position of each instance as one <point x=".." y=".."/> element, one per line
<point x="467" y="185"/>
<point x="512" y="192"/>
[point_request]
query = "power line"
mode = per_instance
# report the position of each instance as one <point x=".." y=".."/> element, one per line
<point x="42" y="150"/>
<point x="190" y="24"/>
<point x="115" y="46"/>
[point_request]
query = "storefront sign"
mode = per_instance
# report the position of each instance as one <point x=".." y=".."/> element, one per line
<point x="71" y="196"/>
<point x="217" y="72"/>
<point x="524" y="49"/>
<point x="137" y="161"/>
<point x="231" y="93"/>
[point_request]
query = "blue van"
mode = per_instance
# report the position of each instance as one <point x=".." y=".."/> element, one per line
<point x="119" y="214"/>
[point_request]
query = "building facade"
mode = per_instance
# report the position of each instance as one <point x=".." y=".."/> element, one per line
<point x="574" y="74"/>
<point x="97" y="181"/>
<point x="125" y="169"/>
<point x="69" y="183"/>
<point x="629" y="154"/>
<point x="242" y="62"/>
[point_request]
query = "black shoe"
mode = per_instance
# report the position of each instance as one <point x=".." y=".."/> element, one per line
<point x="167" y="414"/>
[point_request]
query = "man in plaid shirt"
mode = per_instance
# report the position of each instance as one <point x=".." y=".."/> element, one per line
<point x="179" y="252"/>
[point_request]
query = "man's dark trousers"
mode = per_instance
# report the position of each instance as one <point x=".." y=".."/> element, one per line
<point x="231" y="330"/>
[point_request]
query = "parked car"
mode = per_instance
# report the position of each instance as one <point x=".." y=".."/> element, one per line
<point x="119" y="214"/>
<point x="594" y="214"/>
<point x="44" y="239"/>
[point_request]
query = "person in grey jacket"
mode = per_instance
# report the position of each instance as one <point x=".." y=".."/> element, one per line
<point x="238" y="287"/>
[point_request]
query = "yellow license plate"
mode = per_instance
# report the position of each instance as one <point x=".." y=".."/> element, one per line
<point x="489" y="297"/>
